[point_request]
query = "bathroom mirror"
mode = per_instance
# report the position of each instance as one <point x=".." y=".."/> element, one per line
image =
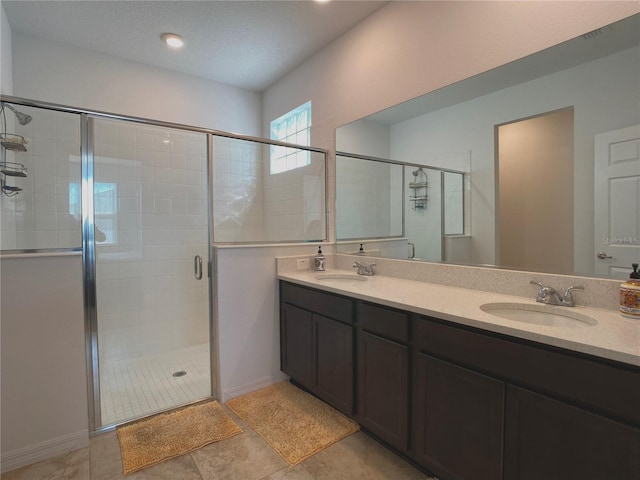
<point x="371" y="198"/>
<point x="544" y="136"/>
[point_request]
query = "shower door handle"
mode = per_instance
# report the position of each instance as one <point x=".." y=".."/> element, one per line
<point x="197" y="267"/>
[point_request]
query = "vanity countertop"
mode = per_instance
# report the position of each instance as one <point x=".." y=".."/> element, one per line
<point x="614" y="337"/>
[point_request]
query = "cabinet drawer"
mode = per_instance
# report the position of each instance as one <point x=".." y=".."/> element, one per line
<point x="383" y="321"/>
<point x="327" y="304"/>
<point x="605" y="387"/>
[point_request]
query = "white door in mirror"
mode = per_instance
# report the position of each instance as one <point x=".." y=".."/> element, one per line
<point x="617" y="189"/>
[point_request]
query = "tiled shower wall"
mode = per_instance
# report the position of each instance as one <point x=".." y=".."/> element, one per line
<point x="237" y="190"/>
<point x="156" y="221"/>
<point x="294" y="206"/>
<point x="43" y="215"/>
<point x="252" y="205"/>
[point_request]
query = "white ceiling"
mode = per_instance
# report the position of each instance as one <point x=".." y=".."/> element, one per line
<point x="248" y="44"/>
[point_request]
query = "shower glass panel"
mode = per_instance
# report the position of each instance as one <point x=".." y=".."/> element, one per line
<point x="39" y="167"/>
<point x="453" y="204"/>
<point x="368" y="198"/>
<point x="251" y="204"/>
<point x="151" y="226"/>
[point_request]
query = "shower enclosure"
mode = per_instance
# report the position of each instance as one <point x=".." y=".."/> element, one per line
<point x="136" y="199"/>
<point x="131" y="197"/>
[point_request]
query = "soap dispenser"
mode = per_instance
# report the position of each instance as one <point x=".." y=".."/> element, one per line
<point x="630" y="295"/>
<point x="318" y="261"/>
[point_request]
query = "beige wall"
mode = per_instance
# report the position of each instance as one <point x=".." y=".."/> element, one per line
<point x="406" y="49"/>
<point x="57" y="73"/>
<point x="535" y="194"/>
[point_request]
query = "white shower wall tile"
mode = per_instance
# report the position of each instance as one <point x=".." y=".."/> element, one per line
<point x="248" y="201"/>
<point x="149" y="310"/>
<point x="46" y="145"/>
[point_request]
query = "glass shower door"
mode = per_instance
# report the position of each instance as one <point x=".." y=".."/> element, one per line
<point x="151" y="234"/>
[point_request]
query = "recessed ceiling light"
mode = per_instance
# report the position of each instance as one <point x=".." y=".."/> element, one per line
<point x="173" y="40"/>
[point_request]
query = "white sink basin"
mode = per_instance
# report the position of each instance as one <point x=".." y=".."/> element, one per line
<point x="340" y="278"/>
<point x="539" y="314"/>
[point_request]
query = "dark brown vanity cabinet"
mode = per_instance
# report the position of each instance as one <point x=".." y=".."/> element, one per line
<point x="565" y="415"/>
<point x="383" y="373"/>
<point x="316" y="343"/>
<point x="296" y="349"/>
<point x="458" y="420"/>
<point x="333" y="356"/>
<point x="464" y="403"/>
<point x="549" y="439"/>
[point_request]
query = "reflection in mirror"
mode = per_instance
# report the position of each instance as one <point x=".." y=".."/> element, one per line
<point x="453" y="194"/>
<point x="370" y="198"/>
<point x="534" y="159"/>
<point x="388" y="203"/>
<point x="593" y="79"/>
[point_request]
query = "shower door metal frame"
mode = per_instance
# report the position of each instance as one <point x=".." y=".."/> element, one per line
<point x="89" y="268"/>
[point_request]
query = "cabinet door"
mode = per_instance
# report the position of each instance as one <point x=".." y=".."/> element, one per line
<point x="549" y="439"/>
<point x="383" y="388"/>
<point x="334" y="363"/>
<point x="458" y="420"/>
<point x="296" y="344"/>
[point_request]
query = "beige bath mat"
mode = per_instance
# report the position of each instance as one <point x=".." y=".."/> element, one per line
<point x="296" y="424"/>
<point x="168" y="435"/>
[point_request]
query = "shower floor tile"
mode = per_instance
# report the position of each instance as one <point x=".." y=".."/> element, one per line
<point x="135" y="387"/>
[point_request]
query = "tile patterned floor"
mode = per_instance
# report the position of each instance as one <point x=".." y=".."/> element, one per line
<point x="132" y="388"/>
<point x="242" y="457"/>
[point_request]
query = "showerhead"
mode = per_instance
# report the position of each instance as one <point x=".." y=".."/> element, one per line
<point x="416" y="172"/>
<point x="23" y="118"/>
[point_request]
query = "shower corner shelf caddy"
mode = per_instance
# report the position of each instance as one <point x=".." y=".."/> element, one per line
<point x="14" y="143"/>
<point x="418" y="195"/>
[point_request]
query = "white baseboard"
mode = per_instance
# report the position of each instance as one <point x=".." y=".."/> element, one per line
<point x="229" y="393"/>
<point x="44" y="450"/>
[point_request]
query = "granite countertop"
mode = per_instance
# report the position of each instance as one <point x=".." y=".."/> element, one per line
<point x="614" y="337"/>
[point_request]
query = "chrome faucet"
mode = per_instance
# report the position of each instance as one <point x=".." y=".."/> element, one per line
<point x="364" y="269"/>
<point x="550" y="296"/>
